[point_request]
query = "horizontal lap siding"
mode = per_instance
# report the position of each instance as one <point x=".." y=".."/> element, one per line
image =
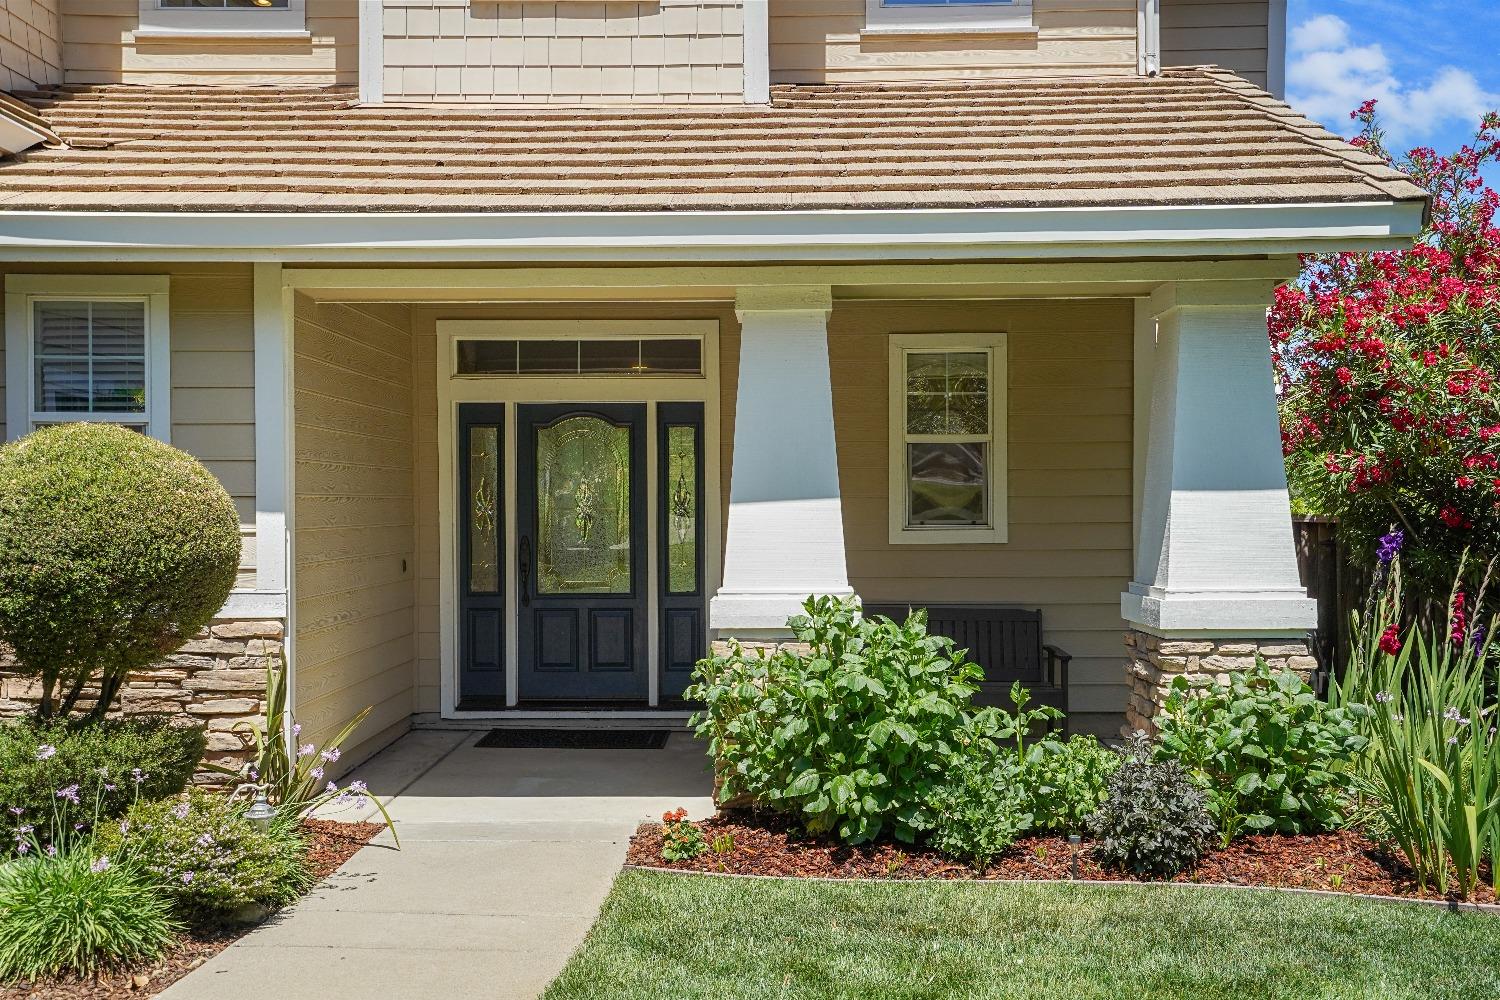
<point x="1231" y="34"/>
<point x="99" y="47"/>
<point x="355" y="585"/>
<point x="1069" y="441"/>
<point x="814" y="41"/>
<point x="211" y="315"/>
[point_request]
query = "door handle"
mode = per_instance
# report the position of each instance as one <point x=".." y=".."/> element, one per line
<point x="525" y="558"/>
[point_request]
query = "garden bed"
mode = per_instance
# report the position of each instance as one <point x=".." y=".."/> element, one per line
<point x="329" y="845"/>
<point x="768" y="845"/>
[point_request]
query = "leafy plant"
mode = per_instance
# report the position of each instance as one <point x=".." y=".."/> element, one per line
<point x="681" y="838"/>
<point x="1155" y="821"/>
<point x="208" y="858"/>
<point x="1430" y="780"/>
<point x="293" y="772"/>
<point x="114" y="550"/>
<point x="77" y="912"/>
<point x="981" y="806"/>
<point x="1067" y="782"/>
<point x="1269" y="753"/>
<point x="723" y="844"/>
<point x="853" y="736"/>
<point x="105" y="766"/>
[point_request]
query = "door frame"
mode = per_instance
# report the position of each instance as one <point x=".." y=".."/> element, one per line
<point x="511" y="390"/>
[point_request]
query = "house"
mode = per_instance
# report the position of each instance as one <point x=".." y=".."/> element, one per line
<point x="543" y="344"/>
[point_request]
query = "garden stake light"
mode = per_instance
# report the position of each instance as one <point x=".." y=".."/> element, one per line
<point x="1073" y="841"/>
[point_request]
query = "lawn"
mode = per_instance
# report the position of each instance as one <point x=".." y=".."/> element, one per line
<point x="676" y="936"/>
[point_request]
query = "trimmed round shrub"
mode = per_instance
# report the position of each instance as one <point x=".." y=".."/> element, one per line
<point x="78" y="913"/>
<point x="1155" y="822"/>
<point x="210" y="861"/>
<point x="110" y="764"/>
<point x="114" y="550"/>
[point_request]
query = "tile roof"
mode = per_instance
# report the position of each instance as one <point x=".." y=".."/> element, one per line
<point x="1193" y="136"/>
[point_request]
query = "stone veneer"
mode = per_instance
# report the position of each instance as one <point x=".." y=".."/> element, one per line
<point x="1155" y="662"/>
<point x="217" y="680"/>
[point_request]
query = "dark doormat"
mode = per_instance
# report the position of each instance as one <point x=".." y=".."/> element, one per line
<point x="575" y="739"/>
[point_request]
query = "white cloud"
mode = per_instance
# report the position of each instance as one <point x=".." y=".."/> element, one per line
<point x="1329" y="76"/>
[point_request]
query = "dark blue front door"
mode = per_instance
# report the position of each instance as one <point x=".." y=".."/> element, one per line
<point x="582" y="622"/>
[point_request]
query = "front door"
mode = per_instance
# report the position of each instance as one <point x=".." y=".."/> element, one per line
<point x="581" y="570"/>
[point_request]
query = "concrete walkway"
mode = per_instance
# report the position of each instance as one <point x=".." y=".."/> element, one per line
<point x="506" y="856"/>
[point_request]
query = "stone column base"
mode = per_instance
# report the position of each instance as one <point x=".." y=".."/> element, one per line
<point x="720" y="647"/>
<point x="1155" y="662"/>
<point x="217" y="680"/>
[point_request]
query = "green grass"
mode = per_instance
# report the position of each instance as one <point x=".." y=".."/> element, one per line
<point x="684" y="937"/>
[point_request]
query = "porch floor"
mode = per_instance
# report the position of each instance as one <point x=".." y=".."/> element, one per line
<point x="506" y="856"/>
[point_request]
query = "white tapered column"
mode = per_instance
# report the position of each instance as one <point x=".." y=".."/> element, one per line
<point x="785" y="537"/>
<point x="1216" y="553"/>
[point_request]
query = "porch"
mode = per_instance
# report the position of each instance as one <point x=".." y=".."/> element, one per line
<point x="808" y="474"/>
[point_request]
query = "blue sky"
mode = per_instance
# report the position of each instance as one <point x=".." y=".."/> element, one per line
<point x="1433" y="64"/>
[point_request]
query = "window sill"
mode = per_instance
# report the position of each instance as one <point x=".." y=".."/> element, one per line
<point x="950" y="31"/>
<point x="948" y="536"/>
<point x="222" y="35"/>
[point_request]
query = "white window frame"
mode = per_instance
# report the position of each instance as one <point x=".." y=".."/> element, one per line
<point x="23" y="291"/>
<point x="177" y="22"/>
<point x="997" y="457"/>
<point x="970" y="16"/>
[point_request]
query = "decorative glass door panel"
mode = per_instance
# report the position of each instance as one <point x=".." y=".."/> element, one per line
<point x="582" y="619"/>
<point x="680" y="542"/>
<point x="482" y="626"/>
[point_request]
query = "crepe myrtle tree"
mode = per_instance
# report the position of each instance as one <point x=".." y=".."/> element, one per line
<point x="1387" y="364"/>
<point x="114" y="550"/>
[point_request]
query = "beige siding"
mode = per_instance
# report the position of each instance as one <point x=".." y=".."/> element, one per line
<point x="821" y="40"/>
<point x="1228" y="33"/>
<point x="1069" y="434"/>
<point x="99" y="47"/>
<point x="670" y="51"/>
<point x="355" y="579"/>
<point x="211" y="315"/>
<point x="30" y="44"/>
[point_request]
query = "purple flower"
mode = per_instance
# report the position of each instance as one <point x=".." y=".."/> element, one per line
<point x="100" y="865"/>
<point x="305" y="750"/>
<point x="181" y="809"/>
<point x="296" y="729"/>
<point x="16" y="810"/>
<point x="51" y="850"/>
<point x="45" y="752"/>
<point x="137" y="775"/>
<point x="317" y="773"/>
<point x="1390" y="545"/>
<point x="124" y="826"/>
<point x="70" y="793"/>
<point x="187" y="878"/>
<point x="330" y="755"/>
<point x="205" y="839"/>
<point x="22" y="847"/>
<point x="358" y="788"/>
<point x="331" y="788"/>
<point x="1477" y="637"/>
<point x="1383" y="697"/>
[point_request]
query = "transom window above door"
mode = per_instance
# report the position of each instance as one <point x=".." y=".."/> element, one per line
<point x="947" y="434"/>
<point x="616" y="356"/>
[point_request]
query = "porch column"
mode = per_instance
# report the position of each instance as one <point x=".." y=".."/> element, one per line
<point x="1216" y="576"/>
<point x="785" y="537"/>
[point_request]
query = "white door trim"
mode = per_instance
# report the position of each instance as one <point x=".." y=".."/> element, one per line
<point x="453" y="389"/>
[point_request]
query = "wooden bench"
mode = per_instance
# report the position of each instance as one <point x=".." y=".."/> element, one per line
<point x="1007" y="644"/>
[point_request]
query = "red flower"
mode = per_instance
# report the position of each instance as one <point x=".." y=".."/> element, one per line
<point x="1390" y="641"/>
<point x="1344" y="375"/>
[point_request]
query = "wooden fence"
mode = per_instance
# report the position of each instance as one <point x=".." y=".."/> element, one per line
<point x="1338" y="584"/>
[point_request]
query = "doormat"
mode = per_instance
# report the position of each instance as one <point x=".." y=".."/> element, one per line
<point x="575" y="739"/>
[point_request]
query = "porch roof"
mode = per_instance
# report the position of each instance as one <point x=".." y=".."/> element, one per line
<point x="1192" y="137"/>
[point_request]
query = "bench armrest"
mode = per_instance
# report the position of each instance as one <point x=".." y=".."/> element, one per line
<point x="1057" y="671"/>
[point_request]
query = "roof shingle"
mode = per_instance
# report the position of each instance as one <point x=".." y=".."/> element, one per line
<point x="1190" y="137"/>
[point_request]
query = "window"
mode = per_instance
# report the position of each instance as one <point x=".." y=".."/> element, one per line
<point x="947" y="433"/>
<point x="613" y="356"/>
<point x="84" y="348"/>
<point x="223" y="17"/>
<point x="948" y="15"/>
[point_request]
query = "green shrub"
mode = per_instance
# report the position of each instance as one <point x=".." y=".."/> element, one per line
<point x="209" y="860"/>
<point x="852" y="737"/>
<point x="1155" y="821"/>
<point x="1067" y="782"/>
<point x="1270" y="754"/>
<point x="981" y="806"/>
<point x="114" y="549"/>
<point x="78" y="913"/>
<point x="112" y="763"/>
<point x="1429" y="782"/>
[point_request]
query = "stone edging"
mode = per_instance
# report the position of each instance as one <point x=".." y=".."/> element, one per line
<point x="1490" y="909"/>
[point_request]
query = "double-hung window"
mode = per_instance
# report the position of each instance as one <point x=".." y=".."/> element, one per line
<point x="947" y="434"/>
<point x="223" y="17"/>
<point x="81" y="348"/>
<point x="948" y="15"/>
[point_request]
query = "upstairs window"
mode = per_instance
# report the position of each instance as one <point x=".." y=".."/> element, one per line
<point x="948" y="15"/>
<point x="223" y="17"/>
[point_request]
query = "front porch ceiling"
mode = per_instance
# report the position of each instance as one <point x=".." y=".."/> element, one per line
<point x="1069" y="279"/>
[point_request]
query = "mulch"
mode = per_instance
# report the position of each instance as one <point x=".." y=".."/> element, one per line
<point x="330" y="844"/>
<point x="766" y="844"/>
